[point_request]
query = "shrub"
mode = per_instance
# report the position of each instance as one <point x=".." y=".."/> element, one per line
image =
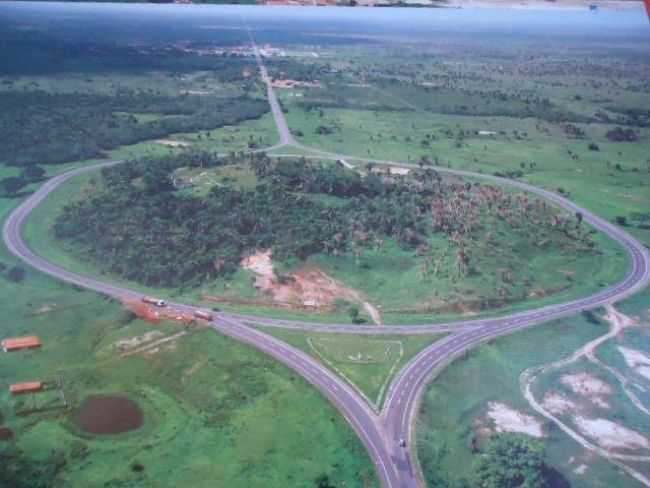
<point x="16" y="274"/>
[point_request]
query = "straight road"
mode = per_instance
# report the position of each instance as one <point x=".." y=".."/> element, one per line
<point x="286" y="138"/>
<point x="381" y="434"/>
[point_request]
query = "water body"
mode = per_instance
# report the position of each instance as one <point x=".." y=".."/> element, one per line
<point x="224" y="23"/>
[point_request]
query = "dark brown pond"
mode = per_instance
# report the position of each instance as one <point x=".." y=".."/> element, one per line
<point x="106" y="414"/>
<point x="6" y="434"/>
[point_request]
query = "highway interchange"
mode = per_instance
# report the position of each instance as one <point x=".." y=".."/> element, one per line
<point x="381" y="431"/>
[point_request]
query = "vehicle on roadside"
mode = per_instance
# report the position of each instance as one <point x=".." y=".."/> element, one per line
<point x="402" y="443"/>
<point x="201" y="314"/>
<point x="155" y="301"/>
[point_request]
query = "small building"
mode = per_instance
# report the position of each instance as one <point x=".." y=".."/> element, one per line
<point x="21" y="343"/>
<point x="25" y="388"/>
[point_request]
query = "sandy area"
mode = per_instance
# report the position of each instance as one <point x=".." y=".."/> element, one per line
<point x="546" y="4"/>
<point x="507" y="419"/>
<point x="557" y="403"/>
<point x="611" y="435"/>
<point x="637" y="360"/>
<point x="585" y="384"/>
<point x="171" y="143"/>
<point x="308" y="287"/>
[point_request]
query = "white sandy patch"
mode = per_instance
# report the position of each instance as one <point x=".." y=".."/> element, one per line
<point x="637" y="360"/>
<point x="557" y="403"/>
<point x="132" y="342"/>
<point x="611" y="435"/>
<point x="585" y="384"/>
<point x="580" y="469"/>
<point x="644" y="371"/>
<point x="507" y="419"/>
<point x="171" y="143"/>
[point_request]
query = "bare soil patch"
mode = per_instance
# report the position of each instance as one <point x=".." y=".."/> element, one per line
<point x="636" y="360"/>
<point x="587" y="385"/>
<point x="558" y="404"/>
<point x="507" y="419"/>
<point x="611" y="435"/>
<point x="309" y="287"/>
<point x="108" y="414"/>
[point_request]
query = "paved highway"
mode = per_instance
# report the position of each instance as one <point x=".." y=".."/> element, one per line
<point x="286" y="138"/>
<point x="381" y="432"/>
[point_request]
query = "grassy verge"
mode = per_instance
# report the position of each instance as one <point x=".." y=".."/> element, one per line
<point x="366" y="362"/>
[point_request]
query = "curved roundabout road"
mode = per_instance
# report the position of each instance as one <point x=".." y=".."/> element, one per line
<point x="381" y="431"/>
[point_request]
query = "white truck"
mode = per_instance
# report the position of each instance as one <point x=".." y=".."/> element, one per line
<point x="154" y="301"/>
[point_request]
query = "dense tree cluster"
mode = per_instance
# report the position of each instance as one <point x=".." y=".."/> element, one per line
<point x="514" y="461"/>
<point x="19" y="471"/>
<point x="619" y="134"/>
<point x="46" y="128"/>
<point x="139" y="225"/>
<point x="12" y="185"/>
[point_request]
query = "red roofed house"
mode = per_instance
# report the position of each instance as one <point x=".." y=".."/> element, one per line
<point x="20" y="343"/>
<point x="24" y="388"/>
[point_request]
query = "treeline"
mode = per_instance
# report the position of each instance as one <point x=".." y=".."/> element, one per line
<point x="297" y="70"/>
<point x="136" y="223"/>
<point x="446" y="100"/>
<point x="49" y="56"/>
<point x="46" y="128"/>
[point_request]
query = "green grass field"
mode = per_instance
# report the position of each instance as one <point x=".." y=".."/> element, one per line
<point x="369" y="363"/>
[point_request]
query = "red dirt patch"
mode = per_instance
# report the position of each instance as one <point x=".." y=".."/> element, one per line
<point x="6" y="434"/>
<point x="312" y="287"/>
<point x="308" y="287"/>
<point x="142" y="311"/>
<point x="105" y="414"/>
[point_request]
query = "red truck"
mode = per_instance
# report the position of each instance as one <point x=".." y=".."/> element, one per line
<point x="200" y="314"/>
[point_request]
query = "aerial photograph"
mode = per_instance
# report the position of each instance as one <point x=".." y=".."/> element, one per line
<point x="325" y="244"/>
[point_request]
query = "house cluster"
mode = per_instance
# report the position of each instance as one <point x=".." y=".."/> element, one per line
<point x="17" y="344"/>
